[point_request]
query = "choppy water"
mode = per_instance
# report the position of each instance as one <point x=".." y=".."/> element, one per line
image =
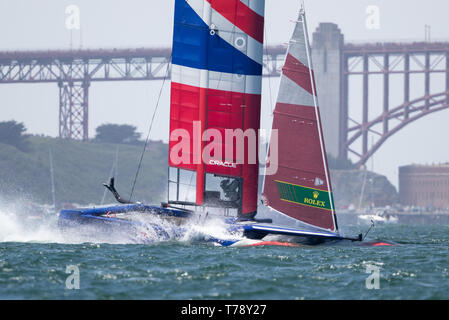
<point x="35" y="263"/>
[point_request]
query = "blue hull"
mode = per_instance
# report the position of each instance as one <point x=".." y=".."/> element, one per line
<point x="102" y="223"/>
<point x="134" y="222"/>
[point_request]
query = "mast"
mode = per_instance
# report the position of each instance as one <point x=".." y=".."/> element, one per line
<point x="204" y="84"/>
<point x="52" y="177"/>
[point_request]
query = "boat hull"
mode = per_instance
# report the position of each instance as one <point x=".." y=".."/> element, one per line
<point x="122" y="223"/>
<point x="137" y="223"/>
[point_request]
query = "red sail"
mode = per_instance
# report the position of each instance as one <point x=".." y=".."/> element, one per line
<point x="301" y="187"/>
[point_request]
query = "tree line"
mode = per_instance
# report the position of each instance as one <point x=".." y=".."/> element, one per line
<point x="14" y="133"/>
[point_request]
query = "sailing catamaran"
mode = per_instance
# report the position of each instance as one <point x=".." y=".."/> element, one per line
<point x="216" y="82"/>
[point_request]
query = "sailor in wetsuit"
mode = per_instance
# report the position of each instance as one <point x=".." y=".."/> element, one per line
<point x="231" y="189"/>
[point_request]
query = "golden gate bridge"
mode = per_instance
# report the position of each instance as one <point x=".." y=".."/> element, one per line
<point x="335" y="61"/>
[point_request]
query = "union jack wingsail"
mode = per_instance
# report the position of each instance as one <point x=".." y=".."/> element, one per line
<point x="216" y="86"/>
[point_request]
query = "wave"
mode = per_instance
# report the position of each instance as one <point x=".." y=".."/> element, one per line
<point x="20" y="224"/>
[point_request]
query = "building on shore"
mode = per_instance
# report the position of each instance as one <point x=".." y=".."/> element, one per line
<point x="424" y="186"/>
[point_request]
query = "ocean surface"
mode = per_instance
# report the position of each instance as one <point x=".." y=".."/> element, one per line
<point x="37" y="263"/>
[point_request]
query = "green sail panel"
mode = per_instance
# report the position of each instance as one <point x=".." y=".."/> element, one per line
<point x="304" y="195"/>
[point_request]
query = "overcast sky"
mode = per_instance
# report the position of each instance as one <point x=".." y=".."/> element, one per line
<point x="40" y="24"/>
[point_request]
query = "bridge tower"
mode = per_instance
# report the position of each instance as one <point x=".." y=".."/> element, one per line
<point x="74" y="110"/>
<point x="327" y="45"/>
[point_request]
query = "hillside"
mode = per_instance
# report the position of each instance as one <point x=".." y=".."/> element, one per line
<point x="80" y="168"/>
<point x="348" y="184"/>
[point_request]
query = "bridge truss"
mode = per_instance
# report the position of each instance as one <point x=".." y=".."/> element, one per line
<point x="421" y="67"/>
<point x="74" y="71"/>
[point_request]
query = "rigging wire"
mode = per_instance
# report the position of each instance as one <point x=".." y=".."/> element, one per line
<point x="151" y="126"/>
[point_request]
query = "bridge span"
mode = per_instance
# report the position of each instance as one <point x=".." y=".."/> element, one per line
<point x="348" y="125"/>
